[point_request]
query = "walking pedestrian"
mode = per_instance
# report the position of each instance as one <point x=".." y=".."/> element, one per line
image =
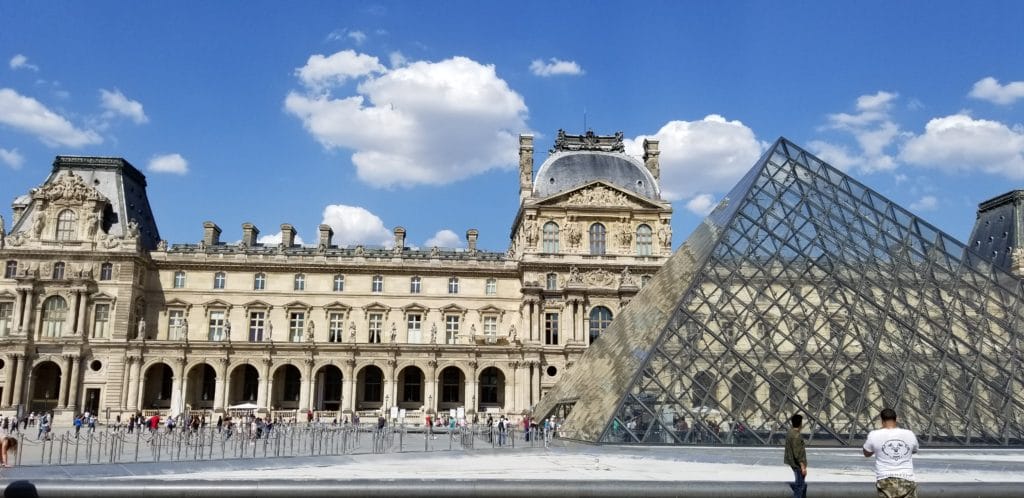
<point x="796" y="456"/>
<point x="8" y="444"/>
<point x="893" y="449"/>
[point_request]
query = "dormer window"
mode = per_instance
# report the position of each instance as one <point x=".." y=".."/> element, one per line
<point x="597" y="238"/>
<point x="66" y="222"/>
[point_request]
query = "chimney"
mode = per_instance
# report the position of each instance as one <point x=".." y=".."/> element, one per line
<point x="399" y="238"/>
<point x="471" y="236"/>
<point x="525" y="166"/>
<point x="287" y="235"/>
<point x="326" y="234"/>
<point x="651" y="153"/>
<point x="249" y="234"/>
<point x="211" y="233"/>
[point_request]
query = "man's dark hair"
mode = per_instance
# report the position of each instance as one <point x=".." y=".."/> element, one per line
<point x="797" y="420"/>
<point x="887" y="414"/>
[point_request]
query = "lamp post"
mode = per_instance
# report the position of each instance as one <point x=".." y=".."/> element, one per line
<point x="430" y="403"/>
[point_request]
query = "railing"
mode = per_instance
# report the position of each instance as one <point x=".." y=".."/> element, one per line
<point x="242" y="441"/>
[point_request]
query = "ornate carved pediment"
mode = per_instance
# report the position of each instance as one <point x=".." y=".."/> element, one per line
<point x="597" y="194"/>
<point x="257" y="304"/>
<point x="414" y="307"/>
<point x="600" y="278"/>
<point x="70" y="188"/>
<point x="453" y="308"/>
<point x="375" y="306"/>
<point x="337" y="306"/>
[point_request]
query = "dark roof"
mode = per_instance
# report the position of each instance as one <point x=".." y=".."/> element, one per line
<point x="999" y="228"/>
<point x="563" y="171"/>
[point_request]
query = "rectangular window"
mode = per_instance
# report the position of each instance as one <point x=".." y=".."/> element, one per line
<point x="58" y="271"/>
<point x="175" y="324"/>
<point x="6" y="318"/>
<point x="218" y="280"/>
<point x="414" y="326"/>
<point x="259" y="282"/>
<point x="414" y="285"/>
<point x="179" y="280"/>
<point x="378" y="284"/>
<point x="101" y="318"/>
<point x="453" y="285"/>
<point x="492" y="287"/>
<point x="300" y="282"/>
<point x="11" y="269"/>
<point x="336" y="326"/>
<point x="339" y="283"/>
<point x="217" y="328"/>
<point x="296" y="325"/>
<point x="257" y="325"/>
<point x="491" y="328"/>
<point x="376" y="322"/>
<point x="451" y="329"/>
<point x="551" y="328"/>
<point x="106" y="271"/>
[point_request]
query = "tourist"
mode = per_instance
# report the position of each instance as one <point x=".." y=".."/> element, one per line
<point x="893" y="449"/>
<point x="78" y="424"/>
<point x="8" y="444"/>
<point x="92" y="424"/>
<point x="796" y="456"/>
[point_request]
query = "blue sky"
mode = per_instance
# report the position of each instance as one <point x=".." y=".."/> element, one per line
<point x="372" y="115"/>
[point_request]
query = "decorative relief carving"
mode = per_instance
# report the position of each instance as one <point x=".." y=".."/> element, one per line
<point x="599" y="278"/>
<point x="599" y="195"/>
<point x="626" y="279"/>
<point x="68" y="187"/>
<point x="573" y="233"/>
<point x="624" y="235"/>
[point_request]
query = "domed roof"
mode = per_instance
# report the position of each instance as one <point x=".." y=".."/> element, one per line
<point x="565" y="170"/>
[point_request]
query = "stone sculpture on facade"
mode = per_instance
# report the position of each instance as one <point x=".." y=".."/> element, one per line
<point x="433" y="333"/>
<point x="38" y="224"/>
<point x="310" y="328"/>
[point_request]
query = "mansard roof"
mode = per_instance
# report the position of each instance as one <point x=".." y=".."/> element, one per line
<point x="579" y="159"/>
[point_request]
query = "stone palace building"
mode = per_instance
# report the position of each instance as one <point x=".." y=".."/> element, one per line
<point x="99" y="314"/>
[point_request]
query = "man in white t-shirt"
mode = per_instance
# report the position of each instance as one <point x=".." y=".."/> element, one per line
<point x="893" y="449"/>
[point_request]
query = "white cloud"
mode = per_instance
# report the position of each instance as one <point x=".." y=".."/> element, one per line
<point x="444" y="238"/>
<point x="21" y="62"/>
<point x="926" y="203"/>
<point x="397" y="59"/>
<point x="169" y="163"/>
<point x="116" y="104"/>
<point x="12" y="158"/>
<point x="835" y="155"/>
<point x="960" y="143"/>
<point x="702" y="204"/>
<point x="872" y="128"/>
<point x="275" y="239"/>
<point x="989" y="89"/>
<point x="29" y="115"/>
<point x="422" y="123"/>
<point x="555" y="67"/>
<point x="321" y="72"/>
<point x="703" y="156"/>
<point x="354" y="225"/>
<point x="357" y="36"/>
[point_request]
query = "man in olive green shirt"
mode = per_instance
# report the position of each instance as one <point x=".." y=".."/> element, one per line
<point x="796" y="457"/>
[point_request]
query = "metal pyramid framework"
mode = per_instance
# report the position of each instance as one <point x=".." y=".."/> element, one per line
<point x="806" y="291"/>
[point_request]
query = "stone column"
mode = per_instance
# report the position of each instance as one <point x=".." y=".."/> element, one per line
<point x="392" y="384"/>
<point x="26" y="312"/>
<point x="539" y="379"/>
<point x="73" y="397"/>
<point x="347" y="381"/>
<point x="510" y="389"/>
<point x="125" y="373"/>
<point x="219" y="386"/>
<point x="134" y="384"/>
<point x="19" y="302"/>
<point x="261" y="393"/>
<point x="432" y="387"/>
<point x="65" y="382"/>
<point x="529" y="321"/>
<point x="305" y="403"/>
<point x="82" y="306"/>
<point x="37" y="327"/>
<point x="178" y="372"/>
<point x="9" y="380"/>
<point x="19" y="379"/>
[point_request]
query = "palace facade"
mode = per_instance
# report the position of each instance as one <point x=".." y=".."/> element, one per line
<point x="99" y="314"/>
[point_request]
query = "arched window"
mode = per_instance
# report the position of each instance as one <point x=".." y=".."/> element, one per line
<point x="453" y="285"/>
<point x="300" y="282"/>
<point x="58" y="271"/>
<point x="597" y="233"/>
<point x="55" y="313"/>
<point x="415" y="284"/>
<point x="66" y="222"/>
<point x="259" y="281"/>
<point x="377" y="284"/>
<point x="179" y="280"/>
<point x="551" y="237"/>
<point x="551" y="282"/>
<point x="644" y="240"/>
<point x="106" y="271"/>
<point x="218" y="280"/>
<point x="600" y="319"/>
<point x="339" y="283"/>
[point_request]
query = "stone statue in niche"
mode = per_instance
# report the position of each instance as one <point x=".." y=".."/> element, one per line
<point x="140" y="332"/>
<point x="433" y="333"/>
<point x="572" y="231"/>
<point x="270" y="332"/>
<point x="512" y="334"/>
<point x="310" y="331"/>
<point x="394" y="333"/>
<point x="530" y="230"/>
<point x="92" y="223"/>
<point x="131" y="230"/>
<point x="183" y="330"/>
<point x="38" y="224"/>
<point x="352" y="331"/>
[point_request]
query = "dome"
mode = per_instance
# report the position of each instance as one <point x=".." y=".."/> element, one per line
<point x="563" y="171"/>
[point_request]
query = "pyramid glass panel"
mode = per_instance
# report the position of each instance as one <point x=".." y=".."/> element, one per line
<point x="805" y="290"/>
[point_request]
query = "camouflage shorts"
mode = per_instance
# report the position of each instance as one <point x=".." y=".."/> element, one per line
<point x="894" y="487"/>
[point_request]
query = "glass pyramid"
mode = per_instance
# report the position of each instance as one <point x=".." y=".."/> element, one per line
<point x="806" y="291"/>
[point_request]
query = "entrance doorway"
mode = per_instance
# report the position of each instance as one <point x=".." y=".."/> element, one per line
<point x="92" y="400"/>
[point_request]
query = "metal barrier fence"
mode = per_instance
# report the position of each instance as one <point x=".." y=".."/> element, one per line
<point x="282" y="440"/>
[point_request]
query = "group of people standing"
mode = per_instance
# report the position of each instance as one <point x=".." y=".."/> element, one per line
<point x="892" y="446"/>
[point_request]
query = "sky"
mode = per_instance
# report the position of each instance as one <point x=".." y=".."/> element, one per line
<point x="367" y="116"/>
